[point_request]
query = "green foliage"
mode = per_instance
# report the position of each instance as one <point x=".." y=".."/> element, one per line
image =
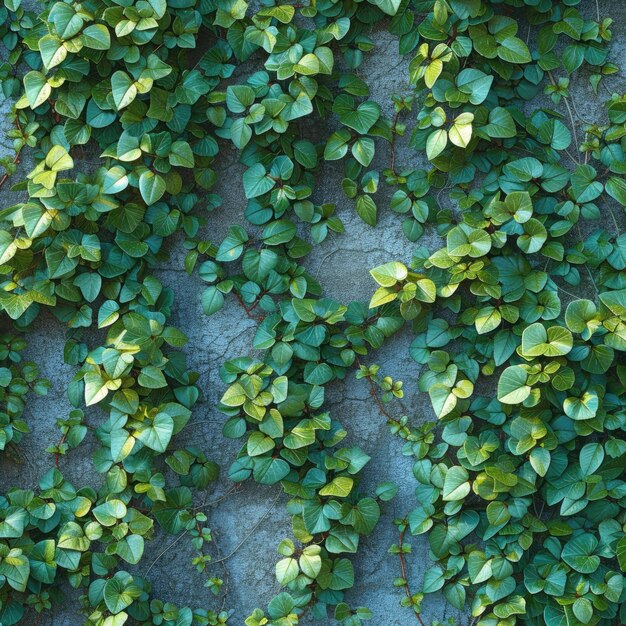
<point x="519" y="489"/>
<point x="17" y="379"/>
<point x="519" y="481"/>
<point x="127" y="83"/>
<point x="289" y="438"/>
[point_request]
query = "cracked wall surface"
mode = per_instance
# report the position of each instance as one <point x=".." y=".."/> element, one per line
<point x="341" y="263"/>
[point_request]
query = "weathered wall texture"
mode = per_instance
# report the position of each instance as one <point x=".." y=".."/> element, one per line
<point x="342" y="261"/>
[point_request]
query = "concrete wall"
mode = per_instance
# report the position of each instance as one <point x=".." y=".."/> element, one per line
<point x="343" y="262"/>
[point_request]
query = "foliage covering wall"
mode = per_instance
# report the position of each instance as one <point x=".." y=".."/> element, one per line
<point x="518" y="317"/>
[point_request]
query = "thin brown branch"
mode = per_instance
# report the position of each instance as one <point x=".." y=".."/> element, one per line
<point x="403" y="571"/>
<point x="248" y="310"/>
<point x="57" y="454"/>
<point x="166" y="549"/>
<point x="236" y="549"/>
<point x="570" y="112"/>
<point x="230" y="492"/>
<point x="392" y="157"/>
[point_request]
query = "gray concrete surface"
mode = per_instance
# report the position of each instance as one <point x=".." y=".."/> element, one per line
<point x="343" y="263"/>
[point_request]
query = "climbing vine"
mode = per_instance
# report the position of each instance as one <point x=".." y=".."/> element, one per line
<point x="520" y="479"/>
<point x="126" y="108"/>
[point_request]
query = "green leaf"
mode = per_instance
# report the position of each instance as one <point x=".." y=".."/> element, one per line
<point x="362" y="118"/>
<point x="130" y="549"/>
<point x="501" y="124"/>
<point x="578" y="553"/>
<point x="124" y="89"/>
<point x="585" y="187"/>
<point x="212" y="300"/>
<point x="432" y="72"/>
<point x="181" y="154"/>
<point x="366" y="209"/>
<point x="516" y="605"/>
<point x="231" y="248"/>
<point x="514" y="50"/>
<point x="15" y="568"/>
<point x="341" y="486"/>
<point x="151" y="377"/>
<point x="436" y="143"/>
<point x="318" y="374"/>
<point x="58" y="159"/>
<point x="433" y="579"/>
<point x="337" y="145"/>
<point x="389" y="274"/>
<point x="616" y="188"/>
<point x="580" y="317"/>
<point x="96" y="37"/>
<point x="475" y="84"/>
<point x="67" y="22"/>
<point x="540" y="460"/>
<point x="286" y="571"/>
<point x="363" y="150"/>
<point x="95" y="388"/>
<point x="583" y="610"/>
<point x="620" y="552"/>
<point x="310" y="561"/>
<point x="583" y="408"/>
<point x="390" y="7"/>
<point x="456" y="484"/>
<point x="13" y="524"/>
<point x="120" y="592"/>
<point x="381" y="296"/>
<point x="487" y="319"/>
<point x="37" y="88"/>
<point x="109" y="512"/>
<point x="268" y="471"/>
<point x="258" y="444"/>
<point x="278" y="232"/>
<point x="498" y="513"/>
<point x="553" y="342"/>
<point x="240" y="133"/>
<point x="479" y="567"/>
<point x="256" y="182"/>
<point x="535" y="235"/>
<point x="53" y="52"/>
<point x="463" y="240"/>
<point x="460" y="132"/>
<point x="591" y="457"/>
<point x="512" y="387"/>
<point x="152" y="187"/>
<point x="239" y="98"/>
<point x="157" y="436"/>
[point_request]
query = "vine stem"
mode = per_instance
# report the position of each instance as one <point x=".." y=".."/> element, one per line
<point x="248" y="310"/>
<point x="232" y="553"/>
<point x="571" y="295"/>
<point x="617" y="230"/>
<point x="403" y="570"/>
<point x="392" y="157"/>
<point x="166" y="549"/>
<point x="171" y="545"/>
<point x="214" y="502"/>
<point x="57" y="454"/>
<point x="569" y="110"/>
<point x="403" y="567"/>
<point x="226" y="579"/>
<point x="374" y="395"/>
<point x="591" y="278"/>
